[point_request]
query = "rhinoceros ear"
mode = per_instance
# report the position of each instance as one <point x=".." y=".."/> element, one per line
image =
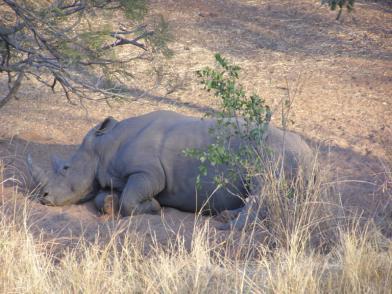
<point x="58" y="164"/>
<point x="105" y="126"/>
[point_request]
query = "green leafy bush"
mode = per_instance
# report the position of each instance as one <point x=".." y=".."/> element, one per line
<point x="239" y="116"/>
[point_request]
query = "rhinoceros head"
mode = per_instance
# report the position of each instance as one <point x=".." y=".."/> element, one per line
<point x="71" y="181"/>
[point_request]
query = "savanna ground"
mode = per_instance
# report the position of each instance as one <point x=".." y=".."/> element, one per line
<point x="338" y="75"/>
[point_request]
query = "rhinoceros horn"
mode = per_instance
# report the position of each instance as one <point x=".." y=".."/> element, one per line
<point x="36" y="172"/>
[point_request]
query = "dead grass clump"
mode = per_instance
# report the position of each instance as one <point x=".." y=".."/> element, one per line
<point x="24" y="268"/>
<point x="300" y="213"/>
<point x="294" y="272"/>
<point x="367" y="267"/>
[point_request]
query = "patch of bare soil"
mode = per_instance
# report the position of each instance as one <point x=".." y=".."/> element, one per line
<point x="343" y="105"/>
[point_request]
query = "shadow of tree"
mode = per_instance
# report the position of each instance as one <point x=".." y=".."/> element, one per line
<point x="135" y="92"/>
<point x="291" y="28"/>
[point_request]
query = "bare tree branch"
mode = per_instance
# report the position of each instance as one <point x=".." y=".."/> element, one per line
<point x="53" y="41"/>
<point x="14" y="89"/>
<point x="123" y="41"/>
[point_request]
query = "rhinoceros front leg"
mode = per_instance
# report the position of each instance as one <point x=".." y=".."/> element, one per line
<point x="138" y="195"/>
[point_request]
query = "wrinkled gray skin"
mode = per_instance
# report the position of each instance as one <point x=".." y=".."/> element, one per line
<point x="141" y="159"/>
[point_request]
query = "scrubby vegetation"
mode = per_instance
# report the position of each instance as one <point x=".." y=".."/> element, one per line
<point x="234" y="105"/>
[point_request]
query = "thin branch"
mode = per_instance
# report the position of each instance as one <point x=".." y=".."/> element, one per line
<point x="124" y="31"/>
<point x="53" y="84"/>
<point x="13" y="90"/>
<point x="123" y="41"/>
<point x="70" y="10"/>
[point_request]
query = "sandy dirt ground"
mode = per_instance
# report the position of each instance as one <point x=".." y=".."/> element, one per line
<point x="343" y="107"/>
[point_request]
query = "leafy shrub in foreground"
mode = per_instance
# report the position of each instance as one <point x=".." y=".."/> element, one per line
<point x="239" y="115"/>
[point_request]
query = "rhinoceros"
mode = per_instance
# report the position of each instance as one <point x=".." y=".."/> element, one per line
<point x="142" y="160"/>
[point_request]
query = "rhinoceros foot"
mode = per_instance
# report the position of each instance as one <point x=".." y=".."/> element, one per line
<point x="111" y="205"/>
<point x="239" y="219"/>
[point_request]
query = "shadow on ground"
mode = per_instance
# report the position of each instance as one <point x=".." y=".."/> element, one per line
<point x="303" y="29"/>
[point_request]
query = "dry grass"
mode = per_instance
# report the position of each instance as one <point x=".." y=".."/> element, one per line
<point x="358" y="262"/>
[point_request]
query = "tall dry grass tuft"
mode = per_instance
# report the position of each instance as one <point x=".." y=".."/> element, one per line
<point x="294" y="271"/>
<point x="23" y="265"/>
<point x="359" y="260"/>
<point x="300" y="213"/>
<point x="366" y="259"/>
